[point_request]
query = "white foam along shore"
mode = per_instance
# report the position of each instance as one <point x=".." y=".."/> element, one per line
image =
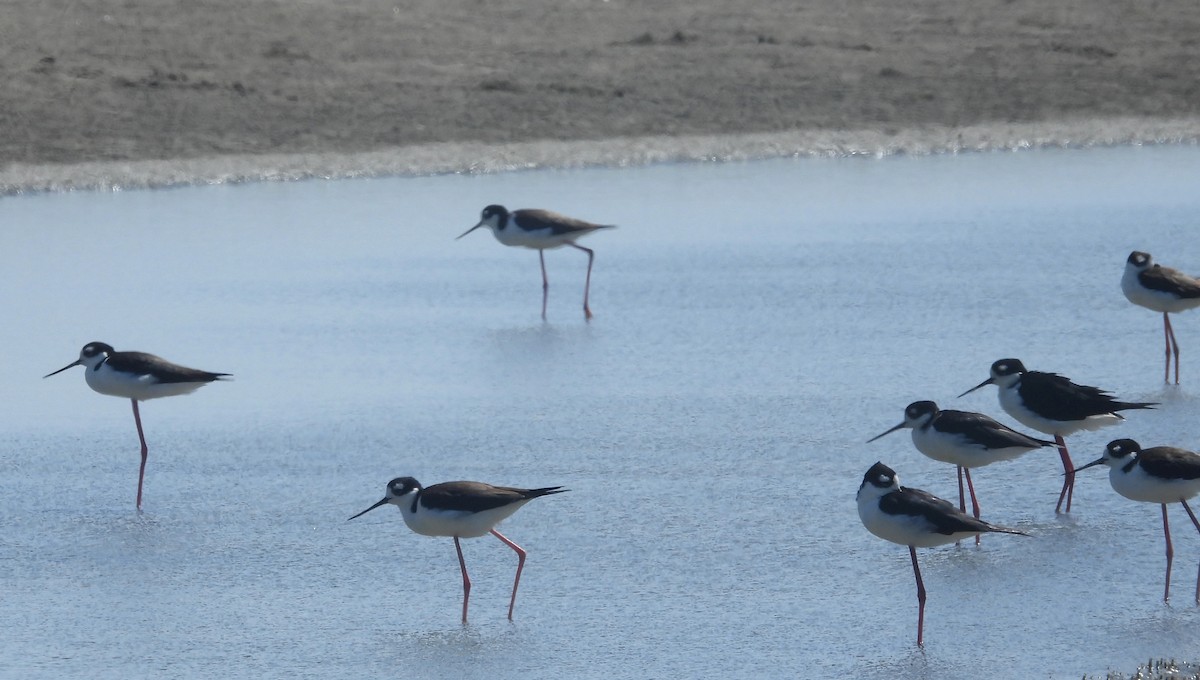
<point x="469" y="157"/>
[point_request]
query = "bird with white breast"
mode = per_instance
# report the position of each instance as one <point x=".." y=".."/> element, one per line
<point x="1160" y="289"/>
<point x="540" y="230"/>
<point x="1052" y="404"/>
<point x="963" y="439"/>
<point x="916" y="519"/>
<point x="137" y="376"/>
<point x="461" y="510"/>
<point x="1159" y="474"/>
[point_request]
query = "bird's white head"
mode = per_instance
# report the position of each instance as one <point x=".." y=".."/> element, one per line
<point x="492" y="217"/>
<point x="917" y="414"/>
<point x="1118" y="453"/>
<point x="91" y="355"/>
<point x="1138" y="261"/>
<point x="879" y="481"/>
<point x="399" y="491"/>
<point x="1005" y="373"/>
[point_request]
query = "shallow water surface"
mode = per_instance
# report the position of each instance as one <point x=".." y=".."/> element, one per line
<point x="755" y="324"/>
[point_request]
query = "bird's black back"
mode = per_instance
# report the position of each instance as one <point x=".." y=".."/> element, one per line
<point x="941" y="514"/>
<point x="1055" y="397"/>
<point x="141" y="363"/>
<point x="1167" y="280"/>
<point x="477" y="496"/>
<point x="1168" y="462"/>
<point x="984" y="430"/>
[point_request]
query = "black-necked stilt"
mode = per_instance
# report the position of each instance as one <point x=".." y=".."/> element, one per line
<point x="540" y="229"/>
<point x="137" y="376"/>
<point x="914" y="518"/>
<point x="461" y="510"/>
<point x="1161" y="289"/>
<point x="963" y="439"/>
<point x="1052" y="404"/>
<point x="1161" y="474"/>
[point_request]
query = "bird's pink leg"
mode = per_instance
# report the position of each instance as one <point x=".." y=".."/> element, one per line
<point x="520" y="565"/>
<point x="462" y="564"/>
<point x="1170" y="553"/>
<point x="545" y="282"/>
<point x="1172" y="345"/>
<point x="137" y="418"/>
<point x="974" y="500"/>
<point x="587" y="283"/>
<point x="971" y="488"/>
<point x="920" y="597"/>
<point x="1068" y="489"/>
<point x="1197" y="523"/>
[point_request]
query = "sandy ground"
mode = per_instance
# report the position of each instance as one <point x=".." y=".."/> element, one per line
<point x="98" y="80"/>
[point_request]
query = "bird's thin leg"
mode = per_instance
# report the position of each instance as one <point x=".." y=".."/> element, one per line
<point x="520" y="565"/>
<point x="974" y="500"/>
<point x="962" y="496"/>
<point x="462" y="564"/>
<point x="587" y="283"/>
<point x="137" y="418"/>
<point x="1172" y="346"/>
<point x="920" y="597"/>
<point x="971" y="489"/>
<point x="1068" y="489"/>
<point x="1197" y="523"/>
<point x="1170" y="553"/>
<point x="545" y="282"/>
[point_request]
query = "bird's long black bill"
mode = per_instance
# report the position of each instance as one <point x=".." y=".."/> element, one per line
<point x="73" y="364"/>
<point x="468" y="231"/>
<point x="885" y="433"/>
<point x="1094" y="462"/>
<point x="382" y="502"/>
<point x="989" y="381"/>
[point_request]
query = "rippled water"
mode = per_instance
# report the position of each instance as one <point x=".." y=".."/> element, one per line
<point x="755" y="324"/>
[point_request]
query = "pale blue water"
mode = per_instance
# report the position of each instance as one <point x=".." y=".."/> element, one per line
<point x="755" y="324"/>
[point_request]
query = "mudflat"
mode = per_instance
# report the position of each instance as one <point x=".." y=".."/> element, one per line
<point x="129" y="80"/>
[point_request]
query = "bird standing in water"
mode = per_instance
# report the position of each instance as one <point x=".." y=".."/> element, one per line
<point x="914" y="518"/>
<point x="1161" y="289"/>
<point x="540" y="229"/>
<point x="461" y="510"/>
<point x="1160" y="474"/>
<point x="1052" y="404"/>
<point x="137" y="376"/>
